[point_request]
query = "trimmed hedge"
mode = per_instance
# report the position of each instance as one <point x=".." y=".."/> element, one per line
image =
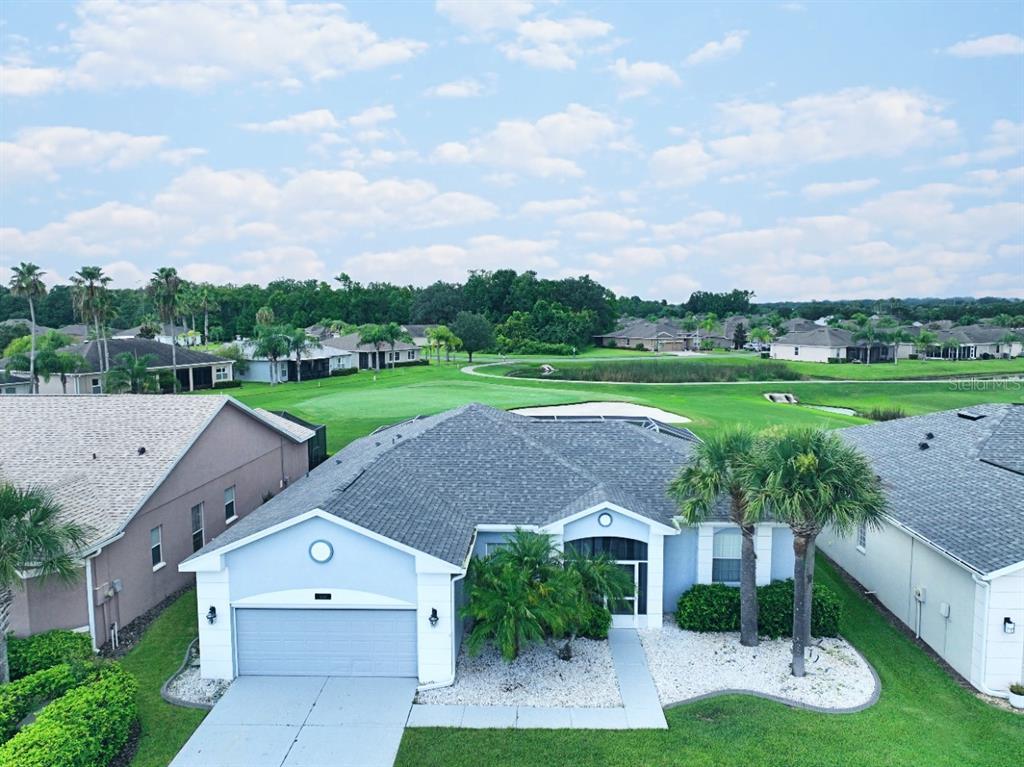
<point x="227" y="384"/>
<point x="716" y="607"/>
<point x="344" y="372"/>
<point x="87" y="727"/>
<point x="31" y="654"/>
<point x="19" y="698"/>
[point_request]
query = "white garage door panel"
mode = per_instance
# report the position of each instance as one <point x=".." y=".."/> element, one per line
<point x="326" y="642"/>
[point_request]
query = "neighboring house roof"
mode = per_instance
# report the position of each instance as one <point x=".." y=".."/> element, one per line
<point x="166" y="329"/>
<point x="80" y="330"/>
<point x="351" y="343"/>
<point x="418" y="331"/>
<point x="819" y="336"/>
<point x="427" y="483"/>
<point x="85" y="450"/>
<point x="139" y="347"/>
<point x="799" y="324"/>
<point x="323" y="352"/>
<point x="40" y="329"/>
<point x="647" y="330"/>
<point x="964" y="494"/>
<point x="296" y="431"/>
<point x="975" y="334"/>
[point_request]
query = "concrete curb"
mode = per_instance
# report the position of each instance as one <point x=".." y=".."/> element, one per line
<point x="174" y="700"/>
<point x="872" y="700"/>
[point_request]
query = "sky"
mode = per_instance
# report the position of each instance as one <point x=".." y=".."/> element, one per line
<point x="803" y="150"/>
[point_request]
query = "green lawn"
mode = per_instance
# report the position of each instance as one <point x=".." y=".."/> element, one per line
<point x="922" y="718"/>
<point x="352" y="406"/>
<point x="165" y="728"/>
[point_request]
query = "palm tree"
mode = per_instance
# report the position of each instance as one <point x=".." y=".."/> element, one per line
<point x="714" y="472"/>
<point x="393" y="333"/>
<point x="271" y="342"/>
<point x="761" y="335"/>
<point x="132" y="374"/>
<point x="924" y="341"/>
<point x="376" y="335"/>
<point x="810" y="479"/>
<point x="89" y="293"/>
<point x="299" y="342"/>
<point x="1009" y="338"/>
<point x="57" y="363"/>
<point x="34" y="540"/>
<point x="27" y="282"/>
<point x="206" y="302"/>
<point x="163" y="288"/>
<point x="264" y="316"/>
<point x="709" y="323"/>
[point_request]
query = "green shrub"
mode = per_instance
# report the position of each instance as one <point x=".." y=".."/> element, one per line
<point x="87" y="727"/>
<point x="31" y="654"/>
<point x="885" y="413"/>
<point x="597" y="622"/>
<point x="226" y="384"/>
<point x="506" y="346"/>
<point x="669" y="371"/>
<point x="19" y="698"/>
<point x="344" y="372"/>
<point x="716" y="607"/>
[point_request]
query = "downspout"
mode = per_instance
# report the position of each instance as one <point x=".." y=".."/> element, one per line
<point x="90" y="608"/>
<point x="451" y="598"/>
<point x="980" y="684"/>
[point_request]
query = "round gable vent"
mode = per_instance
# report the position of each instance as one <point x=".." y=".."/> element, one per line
<point x="321" y="551"/>
<point x="604" y="519"/>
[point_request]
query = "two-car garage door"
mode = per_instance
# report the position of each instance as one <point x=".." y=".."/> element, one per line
<point x="302" y="642"/>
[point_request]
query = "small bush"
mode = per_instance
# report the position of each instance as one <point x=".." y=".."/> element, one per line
<point x="226" y="384"/>
<point x="19" y="698"/>
<point x="31" y="654"/>
<point x="344" y="372"/>
<point x="1017" y="689"/>
<point x="87" y="727"/>
<point x="885" y="413"/>
<point x="913" y="356"/>
<point x="597" y="623"/>
<point x="716" y="607"/>
<point x="410" y="363"/>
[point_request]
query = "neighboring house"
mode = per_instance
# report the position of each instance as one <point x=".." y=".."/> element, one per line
<point x="152" y="479"/>
<point x="404" y="352"/>
<point x="358" y="570"/>
<point x="824" y="344"/>
<point x="196" y="370"/>
<point x="658" y="335"/>
<point x="317" y="362"/>
<point x="27" y="323"/>
<point x="949" y="558"/>
<point x="799" y="324"/>
<point x="13" y="383"/>
<point x="975" y="342"/>
<point x="82" y="332"/>
<point x="419" y="334"/>
<point x="165" y="336"/>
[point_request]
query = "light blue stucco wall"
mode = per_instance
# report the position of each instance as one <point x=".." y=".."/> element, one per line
<point x="281" y="561"/>
<point x="680" y="566"/>
<point x="482" y="539"/>
<point x="621" y="527"/>
<point x="782" y="553"/>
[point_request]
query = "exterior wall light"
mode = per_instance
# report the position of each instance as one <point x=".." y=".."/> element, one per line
<point x="211" y="615"/>
<point x="1009" y="626"/>
<point x="433" y="616"/>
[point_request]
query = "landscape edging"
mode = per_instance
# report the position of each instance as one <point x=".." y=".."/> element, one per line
<point x="175" y="700"/>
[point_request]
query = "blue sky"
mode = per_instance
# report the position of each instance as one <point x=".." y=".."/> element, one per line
<point x="802" y="150"/>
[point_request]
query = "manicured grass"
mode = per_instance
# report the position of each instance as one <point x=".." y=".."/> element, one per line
<point x="165" y="728"/>
<point x="353" y="406"/>
<point x="922" y="718"/>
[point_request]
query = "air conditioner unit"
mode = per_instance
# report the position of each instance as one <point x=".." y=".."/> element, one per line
<point x="919" y="594"/>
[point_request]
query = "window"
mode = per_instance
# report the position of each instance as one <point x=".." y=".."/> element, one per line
<point x="229" y="503"/>
<point x="197" y="527"/>
<point x="493" y="548"/>
<point x="725" y="556"/>
<point x="156" y="554"/>
<point x="412" y="354"/>
<point x="862" y="536"/>
<point x="796" y="351"/>
<point x="220" y="374"/>
<point x="96" y="387"/>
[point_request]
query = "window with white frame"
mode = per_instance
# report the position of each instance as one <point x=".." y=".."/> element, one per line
<point x="862" y="536"/>
<point x="412" y="354"/>
<point x="156" y="554"/>
<point x="198" y="536"/>
<point x="221" y="374"/>
<point x="725" y="556"/>
<point x="97" y="387"/>
<point x="494" y="547"/>
<point x="229" y="503"/>
<point x="796" y="351"/>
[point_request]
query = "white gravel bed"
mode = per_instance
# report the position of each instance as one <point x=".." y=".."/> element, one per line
<point x="190" y="687"/>
<point x="685" y="664"/>
<point x="536" y="678"/>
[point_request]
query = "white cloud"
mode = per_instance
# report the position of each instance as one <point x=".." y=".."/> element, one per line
<point x="199" y="45"/>
<point x="373" y="116"/>
<point x="1005" y="139"/>
<point x="602" y="225"/>
<point x="985" y="47"/>
<point x="555" y="207"/>
<point x="728" y="46"/>
<point x="39" y="153"/>
<point x="484" y="15"/>
<point x="675" y="287"/>
<point x="641" y="77"/>
<point x="543" y="148"/>
<point x="696" y="225"/>
<point x="260" y="266"/>
<point x="456" y="89"/>
<point x="313" y="121"/>
<point x="551" y="44"/>
<point x="18" y="80"/>
<point x="851" y="123"/>
<point x="825" y="189"/>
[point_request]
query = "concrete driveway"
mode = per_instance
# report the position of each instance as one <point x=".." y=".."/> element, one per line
<point x="265" y="721"/>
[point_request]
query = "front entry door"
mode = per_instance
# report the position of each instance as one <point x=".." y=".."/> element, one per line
<point x="624" y="611"/>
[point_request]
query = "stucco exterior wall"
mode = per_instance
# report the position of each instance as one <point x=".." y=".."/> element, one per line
<point x="892" y="565"/>
<point x="783" y="558"/>
<point x="680" y="566"/>
<point x="998" y="658"/>
<point x="806" y="353"/>
<point x="621" y="527"/>
<point x="41" y="605"/>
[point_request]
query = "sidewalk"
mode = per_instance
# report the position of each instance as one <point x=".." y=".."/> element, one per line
<point x="640" y="708"/>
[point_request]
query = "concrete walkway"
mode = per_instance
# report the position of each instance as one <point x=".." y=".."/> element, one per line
<point x="640" y="710"/>
<point x="265" y="721"/>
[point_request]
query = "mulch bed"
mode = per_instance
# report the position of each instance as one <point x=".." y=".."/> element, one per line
<point x="124" y="758"/>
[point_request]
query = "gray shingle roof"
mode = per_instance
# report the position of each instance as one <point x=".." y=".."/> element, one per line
<point x="351" y="343"/>
<point x="428" y="483"/>
<point x="821" y="336"/>
<point x="140" y="347"/>
<point x="956" y="494"/>
<point x="646" y="329"/>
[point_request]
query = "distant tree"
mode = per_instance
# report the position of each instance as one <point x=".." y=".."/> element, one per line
<point x="924" y="341"/>
<point x="27" y="282"/>
<point x="392" y="333"/>
<point x="375" y="335"/>
<point x="131" y="374"/>
<point x="967" y="319"/>
<point x="300" y="343"/>
<point x="1009" y="338"/>
<point x="708" y="325"/>
<point x="163" y="288"/>
<point x="475" y="331"/>
<point x="150" y="327"/>
<point x="265" y="316"/>
<point x="35" y="539"/>
<point x="51" y="363"/>
<point x="12" y="331"/>
<point x="272" y="342"/>
<point x="739" y="336"/>
<point x="236" y="355"/>
<point x="1003" y="320"/>
<point x="762" y="335"/>
<point x="91" y="301"/>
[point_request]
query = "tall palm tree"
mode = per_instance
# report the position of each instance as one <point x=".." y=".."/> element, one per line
<point x="709" y="323"/>
<point x="811" y="479"/>
<point x="131" y="374"/>
<point x="271" y="342"/>
<point x="163" y="287"/>
<point x="89" y="293"/>
<point x="33" y="539"/>
<point x="51" y="362"/>
<point x="716" y="471"/>
<point x="27" y="282"/>
<point x="373" y="334"/>
<point x="761" y="335"/>
<point x="299" y="343"/>
<point x="393" y="333"/>
<point x="925" y="340"/>
<point x="206" y="302"/>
